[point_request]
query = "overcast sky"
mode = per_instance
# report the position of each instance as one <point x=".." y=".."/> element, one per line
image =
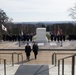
<point x="37" y="10"/>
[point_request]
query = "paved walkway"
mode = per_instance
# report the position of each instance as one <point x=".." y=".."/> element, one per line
<point x="50" y="45"/>
<point x="44" y="58"/>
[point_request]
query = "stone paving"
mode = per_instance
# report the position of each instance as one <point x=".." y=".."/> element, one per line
<point x="43" y="58"/>
<point x="50" y="45"/>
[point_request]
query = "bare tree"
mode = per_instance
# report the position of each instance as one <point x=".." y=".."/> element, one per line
<point x="73" y="12"/>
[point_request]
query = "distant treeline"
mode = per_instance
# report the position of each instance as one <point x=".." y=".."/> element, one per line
<point x="12" y="28"/>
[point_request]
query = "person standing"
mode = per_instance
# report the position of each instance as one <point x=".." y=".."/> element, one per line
<point x="27" y="51"/>
<point x="35" y="50"/>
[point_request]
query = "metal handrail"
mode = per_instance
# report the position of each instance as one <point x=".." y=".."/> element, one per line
<point x="4" y="65"/>
<point x="13" y="57"/>
<point x="18" y="56"/>
<point x="73" y="64"/>
<point x="54" y="57"/>
<point x="67" y="57"/>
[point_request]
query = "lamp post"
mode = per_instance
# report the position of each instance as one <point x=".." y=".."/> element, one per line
<point x="61" y="43"/>
<point x="19" y="39"/>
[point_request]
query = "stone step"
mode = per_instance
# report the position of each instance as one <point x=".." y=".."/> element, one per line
<point x="10" y="70"/>
<point x="34" y="70"/>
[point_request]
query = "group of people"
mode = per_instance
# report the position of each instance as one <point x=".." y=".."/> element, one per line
<point x="57" y="37"/>
<point x="28" y="50"/>
<point x="72" y="37"/>
<point x="19" y="37"/>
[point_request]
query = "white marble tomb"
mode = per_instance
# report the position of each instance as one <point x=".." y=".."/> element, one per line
<point x="41" y="35"/>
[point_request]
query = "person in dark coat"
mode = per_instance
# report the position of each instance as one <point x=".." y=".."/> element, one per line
<point x="35" y="50"/>
<point x="28" y="50"/>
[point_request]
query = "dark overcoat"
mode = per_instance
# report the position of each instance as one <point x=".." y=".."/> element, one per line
<point x="35" y="49"/>
<point x="27" y="50"/>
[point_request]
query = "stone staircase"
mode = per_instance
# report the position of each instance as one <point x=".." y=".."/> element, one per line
<point x="34" y="70"/>
<point x="10" y="70"/>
